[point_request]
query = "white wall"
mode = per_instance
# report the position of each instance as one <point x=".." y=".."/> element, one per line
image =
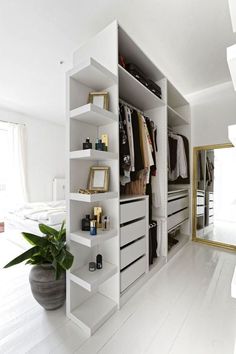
<point x="45" y="153"/>
<point x="213" y="110"/>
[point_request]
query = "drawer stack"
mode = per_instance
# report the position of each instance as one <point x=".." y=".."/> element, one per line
<point x="178" y="208"/>
<point x="133" y="240"/>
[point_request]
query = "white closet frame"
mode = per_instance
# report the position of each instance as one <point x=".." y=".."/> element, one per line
<point x="93" y="297"/>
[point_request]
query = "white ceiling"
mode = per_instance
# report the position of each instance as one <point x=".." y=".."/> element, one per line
<point x="186" y="38"/>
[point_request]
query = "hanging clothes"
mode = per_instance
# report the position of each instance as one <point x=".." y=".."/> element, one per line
<point x="181" y="180"/>
<point x="180" y="167"/>
<point x="125" y="161"/>
<point x="130" y="135"/>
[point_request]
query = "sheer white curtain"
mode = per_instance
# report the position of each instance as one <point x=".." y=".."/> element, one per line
<point x="16" y="185"/>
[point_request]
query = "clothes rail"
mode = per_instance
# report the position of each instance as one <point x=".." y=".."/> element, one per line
<point x="130" y="105"/>
<point x="5" y="121"/>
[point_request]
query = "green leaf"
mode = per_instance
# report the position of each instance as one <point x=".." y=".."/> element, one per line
<point x="36" y="240"/>
<point x="68" y="260"/>
<point x="47" y="230"/>
<point x="26" y="255"/>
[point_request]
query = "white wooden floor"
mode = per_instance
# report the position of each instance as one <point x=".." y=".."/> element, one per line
<point x="185" y="309"/>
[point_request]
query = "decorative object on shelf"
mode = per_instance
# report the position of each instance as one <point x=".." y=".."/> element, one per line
<point x="99" y="145"/>
<point x="87" y="144"/>
<point x="93" y="228"/>
<point x="99" y="261"/>
<point x="86" y="223"/>
<point x="99" y="178"/>
<point x="87" y="191"/>
<point x="100" y="99"/>
<point x="106" y="223"/>
<point x="97" y="211"/>
<point x="92" y="266"/>
<point x="105" y="141"/>
<point x="50" y="260"/>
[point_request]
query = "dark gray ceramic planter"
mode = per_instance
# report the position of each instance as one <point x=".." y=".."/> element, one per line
<point x="47" y="291"/>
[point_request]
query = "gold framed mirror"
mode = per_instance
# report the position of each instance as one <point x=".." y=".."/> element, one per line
<point x="214" y="195"/>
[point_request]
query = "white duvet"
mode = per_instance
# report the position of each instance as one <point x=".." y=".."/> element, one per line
<point x="50" y="213"/>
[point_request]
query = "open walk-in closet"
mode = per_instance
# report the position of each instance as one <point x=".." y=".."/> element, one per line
<point x="117" y="177"/>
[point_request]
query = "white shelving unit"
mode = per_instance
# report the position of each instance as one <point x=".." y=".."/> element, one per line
<point x="93" y="297"/>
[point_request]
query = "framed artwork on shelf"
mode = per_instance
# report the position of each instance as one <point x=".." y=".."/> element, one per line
<point x="100" y="99"/>
<point x="99" y="178"/>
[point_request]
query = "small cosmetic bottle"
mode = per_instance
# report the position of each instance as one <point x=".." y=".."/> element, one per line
<point x="92" y="266"/>
<point x="99" y="261"/>
<point x="87" y="144"/>
<point x="105" y="142"/>
<point x="93" y="228"/>
<point x="99" y="145"/>
<point x="106" y="223"/>
<point x="85" y="225"/>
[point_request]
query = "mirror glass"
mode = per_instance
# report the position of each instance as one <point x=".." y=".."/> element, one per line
<point x="215" y="194"/>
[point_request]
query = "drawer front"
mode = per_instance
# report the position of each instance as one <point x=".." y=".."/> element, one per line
<point x="131" y="211"/>
<point x="200" y="200"/>
<point x="176" y="205"/>
<point x="200" y="193"/>
<point x="200" y="210"/>
<point x="175" y="219"/>
<point x="132" y="231"/>
<point x="176" y="195"/>
<point x="130" y="253"/>
<point x="211" y="212"/>
<point x="211" y="196"/>
<point x="211" y="204"/>
<point x="211" y="219"/>
<point x="132" y="273"/>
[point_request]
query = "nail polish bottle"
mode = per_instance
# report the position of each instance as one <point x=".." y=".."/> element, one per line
<point x="85" y="225"/>
<point x="87" y="144"/>
<point x="93" y="228"/>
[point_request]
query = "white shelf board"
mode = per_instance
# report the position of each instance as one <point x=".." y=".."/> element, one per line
<point x="174" y="97"/>
<point x="94" y="75"/>
<point x="84" y="238"/>
<point x="94" y="115"/>
<point x="175" y="119"/>
<point x="126" y="198"/>
<point x="90" y="154"/>
<point x="135" y="93"/>
<point x="91" y="314"/>
<point x="91" y="198"/>
<point x="91" y="280"/>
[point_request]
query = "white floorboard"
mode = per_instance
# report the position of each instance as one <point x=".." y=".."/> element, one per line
<point x="184" y="309"/>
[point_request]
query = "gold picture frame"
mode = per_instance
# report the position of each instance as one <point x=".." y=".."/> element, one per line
<point x="100" y="99"/>
<point x="99" y="178"/>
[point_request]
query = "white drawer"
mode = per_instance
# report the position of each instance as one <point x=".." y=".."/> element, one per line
<point x="200" y="194"/>
<point x="132" y="273"/>
<point x="200" y="210"/>
<point x="200" y="200"/>
<point x="131" y="211"/>
<point x="132" y="231"/>
<point x="211" y="219"/>
<point x="132" y="252"/>
<point x="211" y="196"/>
<point x="178" y="204"/>
<point x="211" y="212"/>
<point x="177" y="194"/>
<point x="211" y="204"/>
<point x="177" y="218"/>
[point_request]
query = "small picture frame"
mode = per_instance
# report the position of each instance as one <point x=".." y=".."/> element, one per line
<point x="99" y="178"/>
<point x="100" y="99"/>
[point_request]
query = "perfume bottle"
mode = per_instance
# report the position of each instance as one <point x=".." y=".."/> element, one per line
<point x="87" y="144"/>
<point x="106" y="223"/>
<point x="93" y="228"/>
<point x="99" y="261"/>
<point x="99" y="145"/>
<point x="85" y="225"/>
<point x="105" y="142"/>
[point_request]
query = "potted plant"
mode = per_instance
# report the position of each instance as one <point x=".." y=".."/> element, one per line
<point x="50" y="260"/>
